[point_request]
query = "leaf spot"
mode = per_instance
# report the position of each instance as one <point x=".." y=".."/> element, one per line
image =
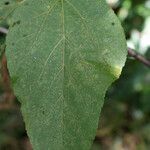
<point x="117" y="71"/>
<point x="43" y="112"/>
<point x="112" y="23"/>
<point x="16" y="23"/>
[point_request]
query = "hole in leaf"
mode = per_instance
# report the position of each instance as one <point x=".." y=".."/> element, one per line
<point x="7" y="3"/>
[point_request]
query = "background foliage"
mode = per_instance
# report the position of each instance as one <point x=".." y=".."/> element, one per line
<point x="125" y="119"/>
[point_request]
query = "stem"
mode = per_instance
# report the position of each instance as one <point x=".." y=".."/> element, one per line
<point x="138" y="57"/>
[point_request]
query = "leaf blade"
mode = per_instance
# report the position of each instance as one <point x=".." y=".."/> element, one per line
<point x="62" y="77"/>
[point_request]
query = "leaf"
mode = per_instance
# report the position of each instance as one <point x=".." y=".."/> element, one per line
<point x="62" y="56"/>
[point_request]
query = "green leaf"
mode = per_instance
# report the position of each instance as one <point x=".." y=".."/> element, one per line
<point x="62" y="56"/>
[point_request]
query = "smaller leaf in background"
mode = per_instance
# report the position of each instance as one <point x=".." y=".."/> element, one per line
<point x="6" y="10"/>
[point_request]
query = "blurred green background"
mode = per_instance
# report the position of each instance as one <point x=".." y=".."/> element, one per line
<point x="125" y="117"/>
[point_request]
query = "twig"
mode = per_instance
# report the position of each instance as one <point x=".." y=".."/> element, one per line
<point x="3" y="30"/>
<point x="131" y="52"/>
<point x="138" y="57"/>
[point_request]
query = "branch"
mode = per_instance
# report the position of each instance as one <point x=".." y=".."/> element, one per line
<point x="3" y="30"/>
<point x="131" y="52"/>
<point x="138" y="57"/>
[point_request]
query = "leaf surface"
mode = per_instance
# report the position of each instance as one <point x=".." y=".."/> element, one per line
<point x="62" y="56"/>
